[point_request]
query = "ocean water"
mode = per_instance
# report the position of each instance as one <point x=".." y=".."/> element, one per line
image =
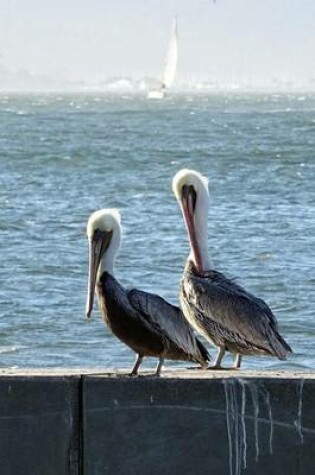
<point x="63" y="156"/>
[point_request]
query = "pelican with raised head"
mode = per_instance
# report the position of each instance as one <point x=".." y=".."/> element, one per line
<point x="219" y="309"/>
<point x="145" y="322"/>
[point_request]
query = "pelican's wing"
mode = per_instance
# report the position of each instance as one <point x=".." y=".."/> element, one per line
<point x="238" y="312"/>
<point x="169" y="319"/>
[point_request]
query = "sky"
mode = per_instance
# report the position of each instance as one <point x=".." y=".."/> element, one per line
<point x="89" y="39"/>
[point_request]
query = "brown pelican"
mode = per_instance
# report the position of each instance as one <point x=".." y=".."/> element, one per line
<point x="145" y="322"/>
<point x="219" y="309"/>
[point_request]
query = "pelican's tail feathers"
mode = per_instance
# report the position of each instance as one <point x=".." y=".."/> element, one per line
<point x="204" y="354"/>
<point x="280" y="347"/>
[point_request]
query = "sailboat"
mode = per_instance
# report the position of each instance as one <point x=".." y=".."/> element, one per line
<point x="170" y="66"/>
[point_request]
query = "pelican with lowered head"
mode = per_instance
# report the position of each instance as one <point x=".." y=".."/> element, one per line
<point x="145" y="322"/>
<point x="219" y="309"/>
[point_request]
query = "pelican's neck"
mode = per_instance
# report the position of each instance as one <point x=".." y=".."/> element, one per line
<point x="109" y="256"/>
<point x="201" y="227"/>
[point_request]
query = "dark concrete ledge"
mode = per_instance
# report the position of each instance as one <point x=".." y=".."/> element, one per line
<point x="39" y="425"/>
<point x="87" y="422"/>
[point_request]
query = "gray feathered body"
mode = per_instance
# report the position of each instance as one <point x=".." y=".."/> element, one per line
<point x="229" y="316"/>
<point x="148" y="324"/>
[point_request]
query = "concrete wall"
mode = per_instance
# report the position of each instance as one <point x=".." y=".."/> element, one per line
<point x="39" y="425"/>
<point x="185" y="423"/>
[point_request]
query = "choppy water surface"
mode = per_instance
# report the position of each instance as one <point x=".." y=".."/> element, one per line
<point x="61" y="157"/>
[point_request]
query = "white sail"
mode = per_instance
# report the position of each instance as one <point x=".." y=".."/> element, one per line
<point x="170" y="66"/>
<point x="171" y="60"/>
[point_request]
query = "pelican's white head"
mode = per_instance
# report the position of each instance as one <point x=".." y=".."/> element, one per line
<point x="191" y="191"/>
<point x="106" y="220"/>
<point x="104" y="236"/>
<point x="186" y="177"/>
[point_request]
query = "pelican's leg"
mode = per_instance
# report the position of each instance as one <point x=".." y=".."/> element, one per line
<point x="237" y="361"/>
<point x="204" y="365"/>
<point x="159" y="367"/>
<point x="219" y="357"/>
<point x="139" y="359"/>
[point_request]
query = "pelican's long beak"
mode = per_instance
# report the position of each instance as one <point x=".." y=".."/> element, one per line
<point x="95" y="255"/>
<point x="188" y="203"/>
